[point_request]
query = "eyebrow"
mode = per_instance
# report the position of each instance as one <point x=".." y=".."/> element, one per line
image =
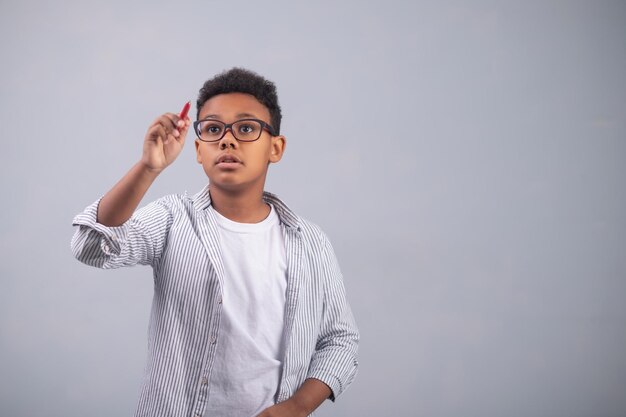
<point x="238" y="116"/>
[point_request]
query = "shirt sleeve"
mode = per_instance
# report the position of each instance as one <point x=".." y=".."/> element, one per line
<point x="138" y="241"/>
<point x="335" y="359"/>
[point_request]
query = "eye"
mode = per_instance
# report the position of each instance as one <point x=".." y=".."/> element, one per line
<point x="212" y="128"/>
<point x="246" y="129"/>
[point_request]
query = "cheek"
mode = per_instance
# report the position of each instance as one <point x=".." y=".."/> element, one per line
<point x="204" y="154"/>
<point x="262" y="159"/>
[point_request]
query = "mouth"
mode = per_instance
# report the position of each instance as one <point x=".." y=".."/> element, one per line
<point x="228" y="160"/>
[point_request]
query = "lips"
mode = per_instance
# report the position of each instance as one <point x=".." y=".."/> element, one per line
<point x="228" y="158"/>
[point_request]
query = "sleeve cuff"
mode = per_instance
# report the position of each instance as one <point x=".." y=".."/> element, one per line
<point x="112" y="238"/>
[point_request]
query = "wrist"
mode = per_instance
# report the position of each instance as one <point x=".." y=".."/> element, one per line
<point x="298" y="407"/>
<point x="147" y="170"/>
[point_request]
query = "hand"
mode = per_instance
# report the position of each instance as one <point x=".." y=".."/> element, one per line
<point x="164" y="141"/>
<point x="287" y="408"/>
<point x="306" y="399"/>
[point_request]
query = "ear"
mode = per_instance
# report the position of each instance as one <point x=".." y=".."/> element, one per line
<point x="277" y="148"/>
<point x="198" y="155"/>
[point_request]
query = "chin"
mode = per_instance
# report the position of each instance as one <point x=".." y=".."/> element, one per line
<point x="227" y="184"/>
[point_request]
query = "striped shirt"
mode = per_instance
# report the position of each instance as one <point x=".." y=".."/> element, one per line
<point x="179" y="238"/>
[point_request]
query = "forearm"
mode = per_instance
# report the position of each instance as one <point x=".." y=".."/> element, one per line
<point x="306" y="399"/>
<point x="310" y="395"/>
<point x="119" y="204"/>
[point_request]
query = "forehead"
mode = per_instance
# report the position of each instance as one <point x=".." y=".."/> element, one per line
<point x="231" y="106"/>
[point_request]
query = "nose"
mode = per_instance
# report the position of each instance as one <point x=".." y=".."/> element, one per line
<point x="228" y="140"/>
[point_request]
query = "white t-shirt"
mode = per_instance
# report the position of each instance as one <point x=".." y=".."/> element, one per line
<point x="247" y="368"/>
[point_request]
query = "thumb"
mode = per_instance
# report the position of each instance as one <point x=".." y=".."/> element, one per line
<point x="184" y="129"/>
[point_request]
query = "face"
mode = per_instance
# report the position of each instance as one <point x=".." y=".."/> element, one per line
<point x="230" y="164"/>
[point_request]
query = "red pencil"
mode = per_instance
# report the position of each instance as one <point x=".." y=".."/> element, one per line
<point x="185" y="110"/>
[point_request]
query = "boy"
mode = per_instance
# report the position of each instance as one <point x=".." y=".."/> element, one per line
<point x="249" y="316"/>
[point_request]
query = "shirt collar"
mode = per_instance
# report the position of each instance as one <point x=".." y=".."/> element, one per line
<point x="202" y="200"/>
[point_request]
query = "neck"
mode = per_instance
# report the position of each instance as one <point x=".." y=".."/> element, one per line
<point x="242" y="207"/>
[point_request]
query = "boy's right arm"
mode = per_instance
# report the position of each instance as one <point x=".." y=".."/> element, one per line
<point x="106" y="238"/>
<point x="162" y="145"/>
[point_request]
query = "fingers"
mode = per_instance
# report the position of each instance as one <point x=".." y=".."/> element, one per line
<point x="177" y="121"/>
<point x="168" y="122"/>
<point x="169" y="127"/>
<point x="156" y="132"/>
<point x="159" y="134"/>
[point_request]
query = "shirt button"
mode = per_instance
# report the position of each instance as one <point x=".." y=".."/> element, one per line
<point x="219" y="301"/>
<point x="205" y="380"/>
<point x="213" y="339"/>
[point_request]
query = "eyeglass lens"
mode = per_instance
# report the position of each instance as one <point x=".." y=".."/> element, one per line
<point x="243" y="130"/>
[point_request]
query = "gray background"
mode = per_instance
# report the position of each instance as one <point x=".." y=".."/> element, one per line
<point x="467" y="160"/>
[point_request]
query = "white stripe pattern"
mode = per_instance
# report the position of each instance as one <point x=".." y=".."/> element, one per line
<point x="178" y="237"/>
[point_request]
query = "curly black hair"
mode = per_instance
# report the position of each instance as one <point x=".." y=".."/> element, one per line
<point x="240" y="80"/>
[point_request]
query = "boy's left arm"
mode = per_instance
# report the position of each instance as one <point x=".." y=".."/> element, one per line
<point x="309" y="396"/>
<point x="334" y="363"/>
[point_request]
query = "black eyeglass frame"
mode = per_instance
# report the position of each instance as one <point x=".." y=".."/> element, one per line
<point x="229" y="126"/>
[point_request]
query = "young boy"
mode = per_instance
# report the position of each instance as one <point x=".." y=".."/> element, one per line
<point x="249" y="316"/>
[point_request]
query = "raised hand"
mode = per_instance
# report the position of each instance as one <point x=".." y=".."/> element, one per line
<point x="164" y="140"/>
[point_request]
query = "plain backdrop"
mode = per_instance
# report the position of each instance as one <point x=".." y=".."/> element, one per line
<point x="466" y="158"/>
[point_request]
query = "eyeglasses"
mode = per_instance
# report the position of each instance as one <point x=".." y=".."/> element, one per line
<point x="244" y="130"/>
